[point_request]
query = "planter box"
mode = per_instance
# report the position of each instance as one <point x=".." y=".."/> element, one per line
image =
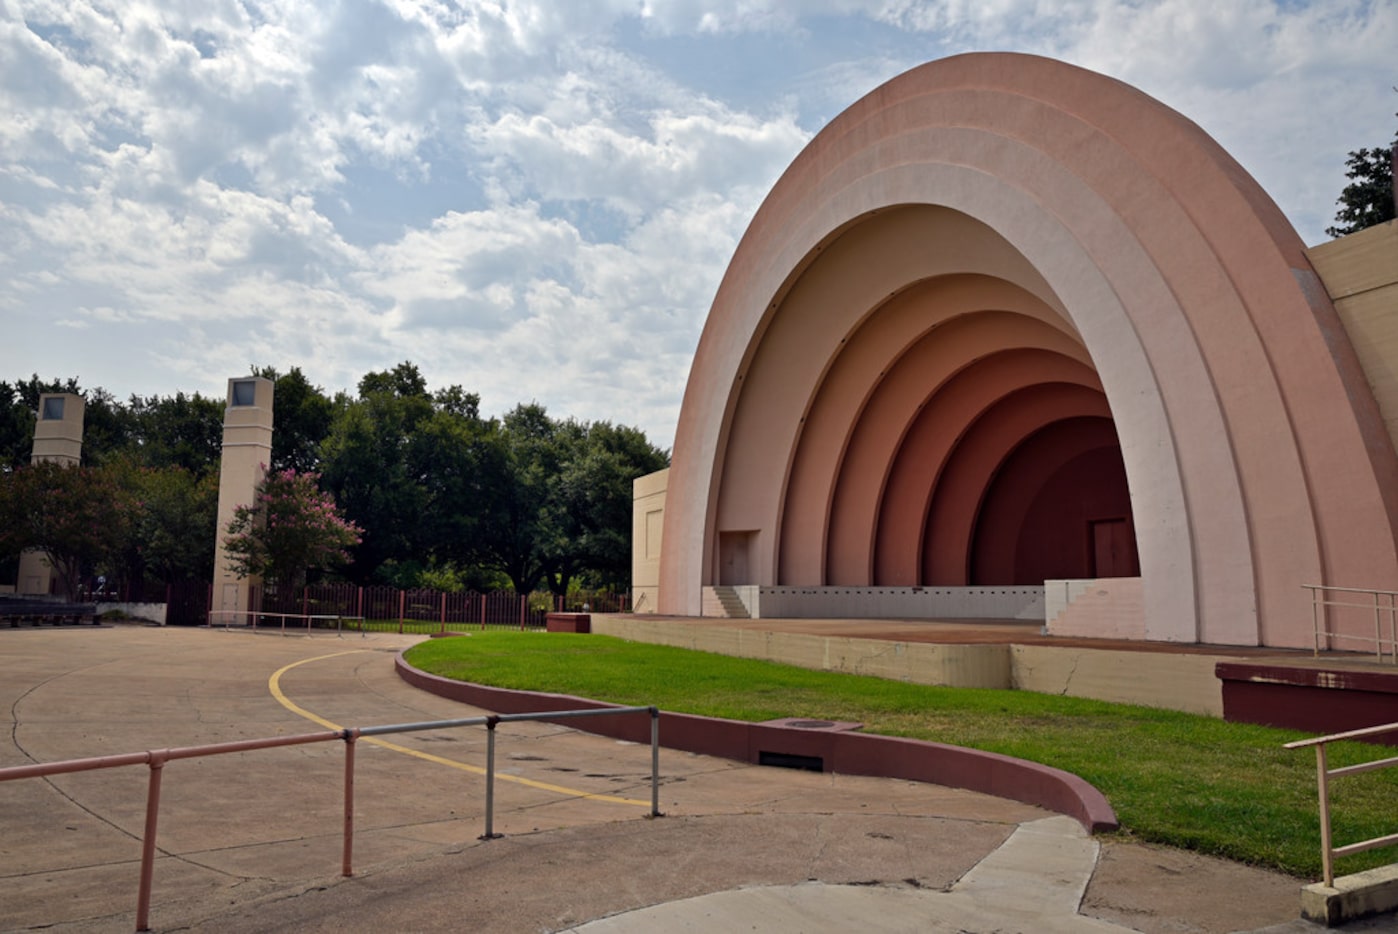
<point x="569" y="622"/>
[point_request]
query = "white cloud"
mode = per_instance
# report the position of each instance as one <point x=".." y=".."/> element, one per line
<point x="533" y="199"/>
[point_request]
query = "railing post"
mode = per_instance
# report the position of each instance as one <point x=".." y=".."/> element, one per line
<point x="444" y="612"/>
<point x="523" y="602"/>
<point x="490" y="833"/>
<point x="157" y="766"/>
<point x="1323" y="783"/>
<point x="1378" y="629"/>
<point x="655" y="762"/>
<point x="347" y="862"/>
<point x="1315" y="620"/>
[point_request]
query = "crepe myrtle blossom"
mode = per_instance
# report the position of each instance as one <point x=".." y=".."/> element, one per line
<point x="291" y="527"/>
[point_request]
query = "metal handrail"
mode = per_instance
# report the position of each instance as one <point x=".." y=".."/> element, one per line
<point x="254" y="615"/>
<point x="156" y="759"/>
<point x="1376" y="603"/>
<point x="1328" y="851"/>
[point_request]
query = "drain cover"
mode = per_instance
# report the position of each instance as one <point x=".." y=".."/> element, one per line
<point x="810" y="724"/>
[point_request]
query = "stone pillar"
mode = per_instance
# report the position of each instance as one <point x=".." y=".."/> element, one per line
<point x="58" y="437"/>
<point x="247" y="452"/>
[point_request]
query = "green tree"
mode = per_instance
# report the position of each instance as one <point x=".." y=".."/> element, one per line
<point x="76" y="515"/>
<point x="16" y="428"/>
<point x="301" y="419"/>
<point x="177" y="431"/>
<point x="1368" y="198"/>
<point x="291" y="528"/>
<point x="561" y="510"/>
<point x="590" y="502"/>
<point x="173" y="523"/>
<point x="525" y="457"/>
<point x="366" y="464"/>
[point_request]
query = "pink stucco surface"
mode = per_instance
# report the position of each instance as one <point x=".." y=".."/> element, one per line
<point x="994" y="204"/>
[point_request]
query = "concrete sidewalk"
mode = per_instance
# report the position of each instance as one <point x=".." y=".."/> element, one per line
<point x="251" y="841"/>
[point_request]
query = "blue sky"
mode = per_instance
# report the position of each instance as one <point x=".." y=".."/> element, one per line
<point x="533" y="200"/>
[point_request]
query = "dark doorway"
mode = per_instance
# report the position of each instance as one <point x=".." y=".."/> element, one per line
<point x="1113" y="548"/>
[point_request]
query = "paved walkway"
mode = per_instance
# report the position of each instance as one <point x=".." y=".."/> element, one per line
<point x="251" y="841"/>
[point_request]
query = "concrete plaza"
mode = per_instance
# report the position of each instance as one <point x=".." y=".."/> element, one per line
<point x="251" y="841"/>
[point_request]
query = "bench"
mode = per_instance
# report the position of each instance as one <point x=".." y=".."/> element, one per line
<point x="40" y="612"/>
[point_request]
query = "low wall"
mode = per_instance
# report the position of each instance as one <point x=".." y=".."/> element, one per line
<point x="902" y="602"/>
<point x="155" y="612"/>
<point x="1317" y="700"/>
<point x="964" y="666"/>
<point x="1184" y="681"/>
<point x="843" y="752"/>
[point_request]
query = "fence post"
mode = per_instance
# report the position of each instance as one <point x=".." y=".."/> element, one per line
<point x="402" y="608"/>
<point x="523" y="603"/>
<point x="482" y="611"/>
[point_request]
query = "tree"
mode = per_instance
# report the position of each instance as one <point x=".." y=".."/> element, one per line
<point x="367" y="465"/>
<point x="526" y="454"/>
<point x="591" y="502"/>
<point x="177" y="431"/>
<point x="16" y="427"/>
<point x="562" y="508"/>
<point x="291" y="528"/>
<point x="301" y="418"/>
<point x="173" y="523"/>
<point x="1368" y="198"/>
<point x="76" y="515"/>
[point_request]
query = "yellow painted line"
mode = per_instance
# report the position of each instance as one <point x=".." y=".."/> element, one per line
<point x="274" y="684"/>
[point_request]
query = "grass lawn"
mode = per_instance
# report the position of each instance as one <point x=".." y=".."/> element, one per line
<point x="1189" y="781"/>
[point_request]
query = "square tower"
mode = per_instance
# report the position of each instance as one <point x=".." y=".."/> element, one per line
<point x="58" y="437"/>
<point x="247" y="452"/>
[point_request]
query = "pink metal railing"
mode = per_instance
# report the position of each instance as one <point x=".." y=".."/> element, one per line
<point x="156" y="759"/>
<point x="1328" y="851"/>
<point x="1381" y="606"/>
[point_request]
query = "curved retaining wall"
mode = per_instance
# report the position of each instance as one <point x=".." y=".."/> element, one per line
<point x="848" y="753"/>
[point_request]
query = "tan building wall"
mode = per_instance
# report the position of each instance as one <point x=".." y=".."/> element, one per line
<point x="1360" y="272"/>
<point x="58" y="437"/>
<point x="647" y="528"/>
<point x="247" y="451"/>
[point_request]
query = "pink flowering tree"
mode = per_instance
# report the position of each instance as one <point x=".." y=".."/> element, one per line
<point x="291" y="528"/>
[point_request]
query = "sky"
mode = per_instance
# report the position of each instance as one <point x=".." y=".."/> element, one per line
<point x="533" y="200"/>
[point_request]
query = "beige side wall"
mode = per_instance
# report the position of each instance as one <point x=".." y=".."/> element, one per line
<point x="1108" y="608"/>
<point x="647" y="524"/>
<point x="1360" y="272"/>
